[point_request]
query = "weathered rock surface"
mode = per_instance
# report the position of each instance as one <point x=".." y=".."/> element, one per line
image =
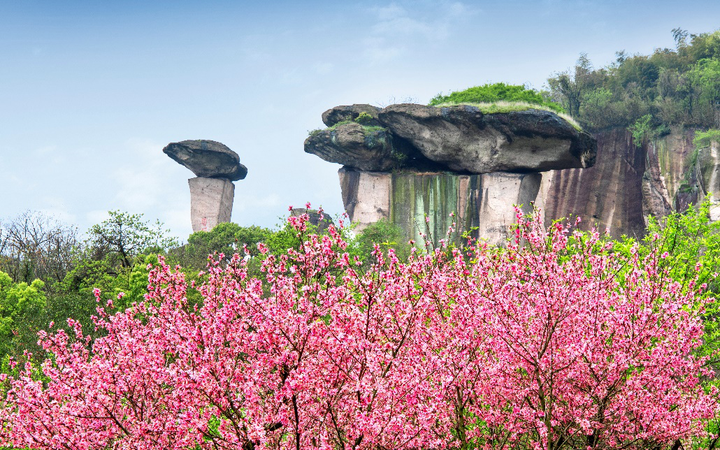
<point x="708" y="163"/>
<point x="211" y="201"/>
<point x="481" y="203"/>
<point x="321" y="221"/>
<point x="629" y="183"/>
<point x="350" y="112"/>
<point x="208" y="159"/>
<point x="608" y="195"/>
<point x="466" y="140"/>
<point x="354" y="145"/>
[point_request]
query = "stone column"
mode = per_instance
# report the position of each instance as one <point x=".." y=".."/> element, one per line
<point x="211" y="201"/>
<point x="501" y="192"/>
<point x="421" y="202"/>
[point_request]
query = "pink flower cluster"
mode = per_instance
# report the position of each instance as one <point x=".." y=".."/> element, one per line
<point x="555" y="343"/>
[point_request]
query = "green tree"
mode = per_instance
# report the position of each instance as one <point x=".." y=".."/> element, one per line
<point x="123" y="236"/>
<point x="570" y="86"/>
<point x="114" y="259"/>
<point x="22" y="310"/>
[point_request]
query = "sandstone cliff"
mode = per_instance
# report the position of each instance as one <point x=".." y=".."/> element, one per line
<point x="628" y="183"/>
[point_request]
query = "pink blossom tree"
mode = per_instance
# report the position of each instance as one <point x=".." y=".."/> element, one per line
<point x="555" y="343"/>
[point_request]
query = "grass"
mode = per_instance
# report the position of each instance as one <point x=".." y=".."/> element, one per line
<point x="366" y="128"/>
<point x="507" y="107"/>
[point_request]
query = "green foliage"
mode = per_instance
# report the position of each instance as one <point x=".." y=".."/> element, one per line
<point x="384" y="234"/>
<point x="675" y="87"/>
<point x="493" y="93"/>
<point x="22" y="307"/>
<point x="226" y="238"/>
<point x="704" y="138"/>
<point x="689" y="247"/>
<point x="641" y="129"/>
<point x="364" y="118"/>
<point x="123" y="236"/>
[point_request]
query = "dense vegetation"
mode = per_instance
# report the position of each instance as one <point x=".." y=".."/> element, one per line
<point x="566" y="341"/>
<point x="646" y="94"/>
<point x="671" y="87"/>
<point x="48" y="271"/>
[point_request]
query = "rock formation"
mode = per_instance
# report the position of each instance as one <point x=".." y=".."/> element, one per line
<point x="321" y="221"/>
<point x="207" y="159"/>
<point x="630" y="183"/>
<point x="415" y="165"/>
<point x="211" y="191"/>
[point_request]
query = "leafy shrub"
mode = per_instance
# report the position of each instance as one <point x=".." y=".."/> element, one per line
<point x="534" y="346"/>
<point x="641" y="129"/>
<point x="704" y="138"/>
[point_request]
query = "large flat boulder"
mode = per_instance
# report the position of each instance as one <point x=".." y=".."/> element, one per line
<point x="466" y="140"/>
<point x="207" y="159"/>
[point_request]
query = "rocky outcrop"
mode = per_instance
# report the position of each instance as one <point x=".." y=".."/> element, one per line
<point x="708" y="163"/>
<point x="209" y="159"/>
<point x="424" y="168"/>
<point x="457" y="138"/>
<point x="212" y="191"/>
<point x="346" y="113"/>
<point x="354" y="145"/>
<point x="466" y="140"/>
<point x="608" y="195"/>
<point x="630" y="183"/>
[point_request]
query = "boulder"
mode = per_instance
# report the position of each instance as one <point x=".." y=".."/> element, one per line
<point x="207" y="159"/>
<point x="355" y="145"/>
<point x="322" y="222"/>
<point x="465" y="140"/>
<point x="344" y="113"/>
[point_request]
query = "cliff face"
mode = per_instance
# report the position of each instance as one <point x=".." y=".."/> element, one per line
<point x="607" y="195"/>
<point x="629" y="183"/>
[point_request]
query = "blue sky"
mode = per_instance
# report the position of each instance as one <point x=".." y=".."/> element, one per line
<point x="91" y="91"/>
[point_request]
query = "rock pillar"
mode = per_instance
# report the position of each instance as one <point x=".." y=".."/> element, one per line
<point x="211" y="201"/>
<point x="422" y="203"/>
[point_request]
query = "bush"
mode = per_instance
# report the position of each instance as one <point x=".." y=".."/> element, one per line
<point x="704" y="138"/>
<point x="534" y="346"/>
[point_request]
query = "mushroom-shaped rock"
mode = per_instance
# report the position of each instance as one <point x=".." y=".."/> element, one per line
<point x="362" y="113"/>
<point x="354" y="145"/>
<point x="208" y="159"/>
<point x="466" y="140"/>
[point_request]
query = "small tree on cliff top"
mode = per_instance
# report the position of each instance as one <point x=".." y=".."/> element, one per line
<point x="536" y="346"/>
